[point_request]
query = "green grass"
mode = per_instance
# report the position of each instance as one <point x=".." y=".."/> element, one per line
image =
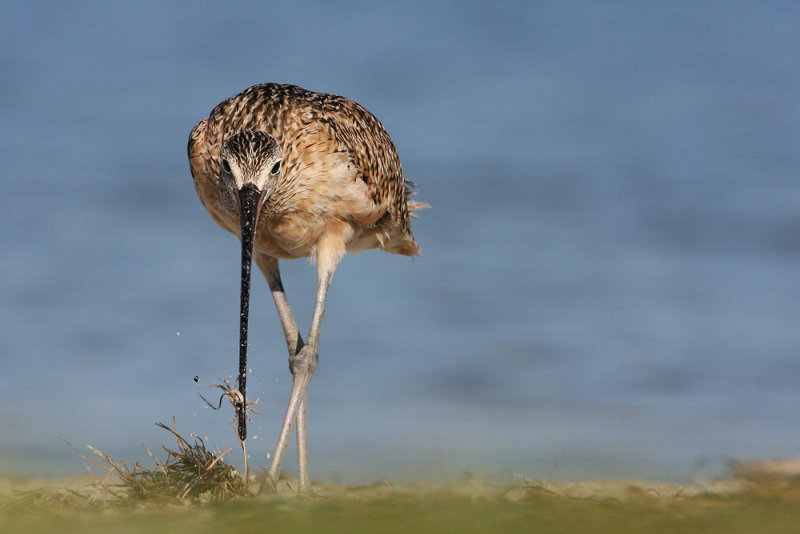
<point x="193" y="491"/>
<point x="472" y="506"/>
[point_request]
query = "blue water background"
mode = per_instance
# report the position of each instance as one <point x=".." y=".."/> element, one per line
<point x="609" y="283"/>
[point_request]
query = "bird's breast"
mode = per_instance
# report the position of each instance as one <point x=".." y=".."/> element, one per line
<point x="289" y="235"/>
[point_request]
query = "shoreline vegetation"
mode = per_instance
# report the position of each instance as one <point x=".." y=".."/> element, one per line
<point x="730" y="505"/>
<point x="192" y="489"/>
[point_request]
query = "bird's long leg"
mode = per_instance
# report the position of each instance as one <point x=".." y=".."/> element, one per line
<point x="302" y="366"/>
<point x="272" y="273"/>
<point x="294" y="342"/>
<point x="329" y="250"/>
<point x="304" y="480"/>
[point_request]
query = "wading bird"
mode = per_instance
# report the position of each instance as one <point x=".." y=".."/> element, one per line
<point x="296" y="174"/>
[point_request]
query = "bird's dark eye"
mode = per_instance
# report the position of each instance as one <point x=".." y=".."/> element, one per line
<point x="225" y="165"/>
<point x="276" y="167"/>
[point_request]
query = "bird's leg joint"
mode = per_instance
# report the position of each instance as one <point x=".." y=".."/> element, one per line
<point x="304" y="362"/>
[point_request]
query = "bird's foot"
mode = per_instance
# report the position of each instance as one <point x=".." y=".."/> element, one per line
<point x="268" y="486"/>
<point x="304" y="362"/>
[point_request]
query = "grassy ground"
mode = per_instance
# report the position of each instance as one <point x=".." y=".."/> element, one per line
<point x="731" y="506"/>
<point x="192" y="490"/>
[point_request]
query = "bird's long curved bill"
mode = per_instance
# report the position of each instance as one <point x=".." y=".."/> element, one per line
<point x="249" y="204"/>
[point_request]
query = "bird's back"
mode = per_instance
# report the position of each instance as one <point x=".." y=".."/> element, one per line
<point x="339" y="165"/>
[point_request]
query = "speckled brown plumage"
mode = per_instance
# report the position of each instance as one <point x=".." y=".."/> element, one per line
<point x="339" y="164"/>
<point x="315" y="175"/>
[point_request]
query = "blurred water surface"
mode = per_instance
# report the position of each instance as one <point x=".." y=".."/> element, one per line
<point x="608" y="282"/>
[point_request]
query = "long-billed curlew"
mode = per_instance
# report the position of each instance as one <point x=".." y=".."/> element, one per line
<point x="298" y="174"/>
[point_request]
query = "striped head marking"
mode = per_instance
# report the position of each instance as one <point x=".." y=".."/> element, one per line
<point x="251" y="158"/>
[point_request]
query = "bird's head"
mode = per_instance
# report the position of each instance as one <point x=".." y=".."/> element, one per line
<point x="250" y="167"/>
